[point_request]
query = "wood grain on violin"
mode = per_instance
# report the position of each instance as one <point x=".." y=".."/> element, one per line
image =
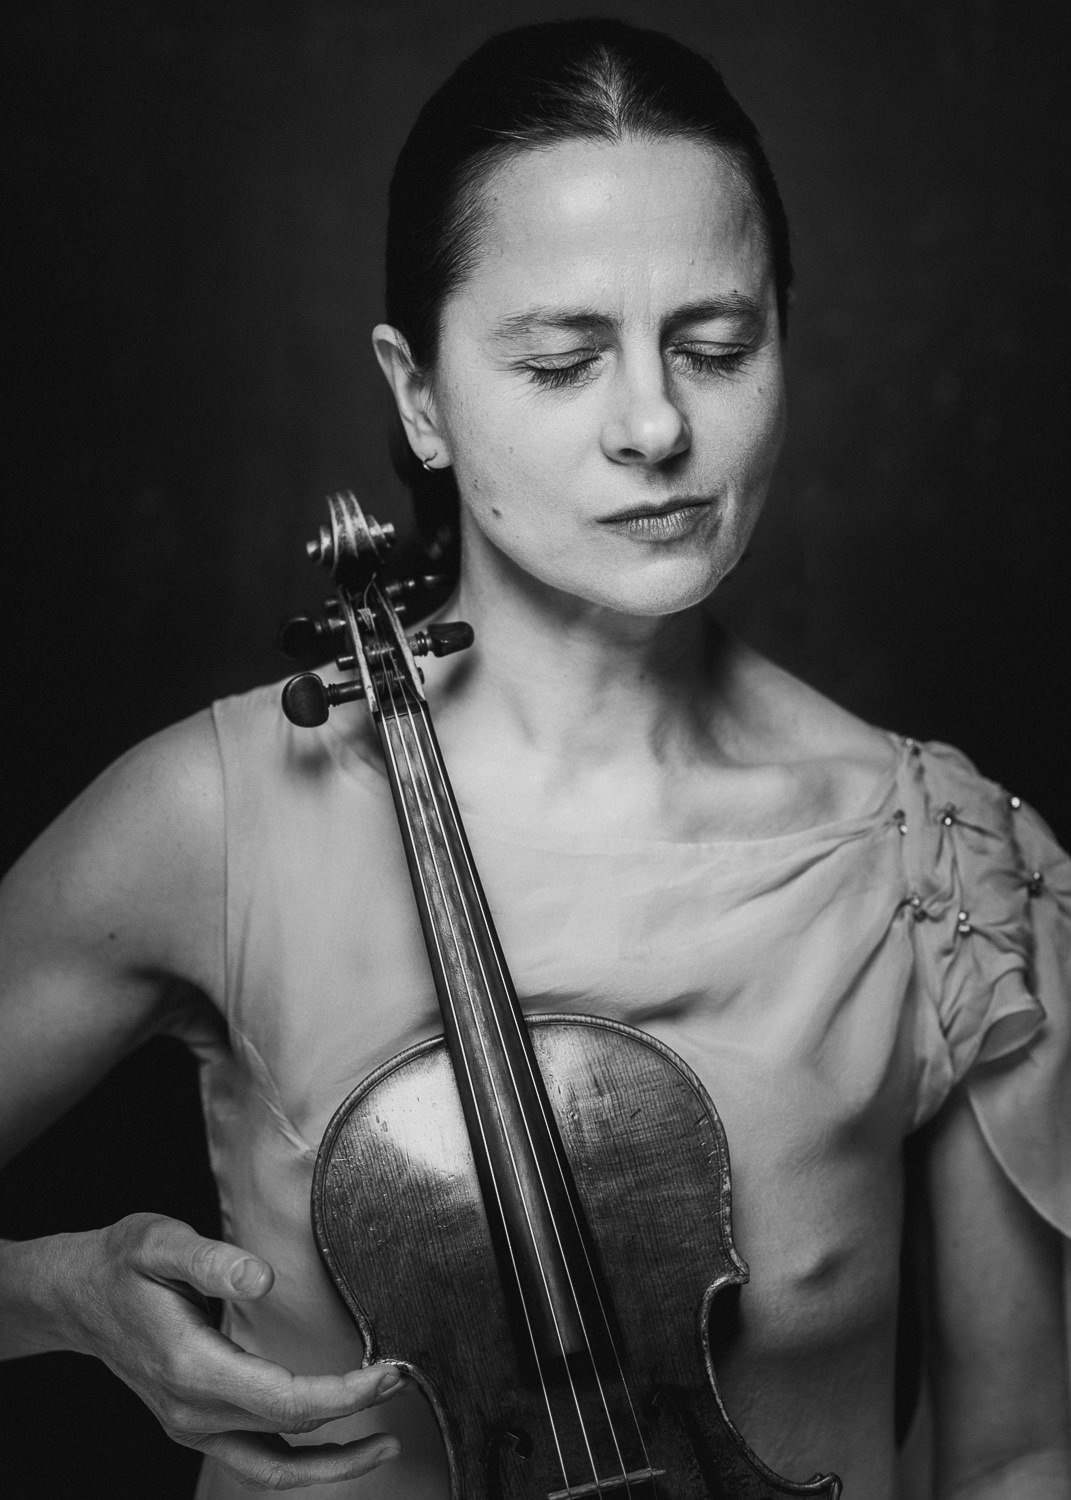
<point x="530" y="1215"/>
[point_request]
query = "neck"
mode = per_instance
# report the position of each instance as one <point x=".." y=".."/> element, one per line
<point x="572" y="681"/>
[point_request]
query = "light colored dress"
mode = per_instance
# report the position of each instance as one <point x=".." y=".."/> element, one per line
<point x="828" y="986"/>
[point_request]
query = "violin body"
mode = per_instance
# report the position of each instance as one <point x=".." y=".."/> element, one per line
<point x="396" y="1197"/>
<point x="531" y="1216"/>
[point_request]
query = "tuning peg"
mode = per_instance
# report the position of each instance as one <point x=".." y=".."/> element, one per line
<point x="402" y="586"/>
<point x="304" y="637"/>
<point x="307" y="699"/>
<point x="328" y="545"/>
<point x="442" y="640"/>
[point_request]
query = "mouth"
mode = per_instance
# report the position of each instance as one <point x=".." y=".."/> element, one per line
<point x="661" y="508"/>
<point x="665" y="521"/>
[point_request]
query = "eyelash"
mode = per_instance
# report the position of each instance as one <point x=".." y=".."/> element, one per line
<point x="559" y="377"/>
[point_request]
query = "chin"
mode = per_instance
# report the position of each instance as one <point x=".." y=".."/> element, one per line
<point x="667" y="589"/>
<point x="667" y="580"/>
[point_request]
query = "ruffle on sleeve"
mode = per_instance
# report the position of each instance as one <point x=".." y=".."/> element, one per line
<point x="991" y="895"/>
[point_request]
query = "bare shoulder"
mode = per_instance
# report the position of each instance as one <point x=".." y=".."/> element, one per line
<point x="141" y="828"/>
<point x="783" y="721"/>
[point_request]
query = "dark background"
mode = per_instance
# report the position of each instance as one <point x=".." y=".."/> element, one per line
<point x="198" y="222"/>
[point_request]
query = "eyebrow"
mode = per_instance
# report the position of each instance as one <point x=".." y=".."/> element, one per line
<point x="589" y="320"/>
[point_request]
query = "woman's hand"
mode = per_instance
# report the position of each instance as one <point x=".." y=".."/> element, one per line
<point x="135" y="1295"/>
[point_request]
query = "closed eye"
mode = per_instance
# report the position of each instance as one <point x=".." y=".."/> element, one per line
<point x="563" y="370"/>
<point x="707" y="362"/>
<point x="573" y="369"/>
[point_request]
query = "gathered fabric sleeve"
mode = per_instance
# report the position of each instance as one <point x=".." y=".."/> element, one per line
<point x="990" y="892"/>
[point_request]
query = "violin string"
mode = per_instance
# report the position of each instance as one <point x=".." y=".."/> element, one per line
<point x="569" y="1199"/>
<point x="513" y="1256"/>
<point x="531" y="1331"/>
<point x="483" y="1042"/>
<point x="550" y="1131"/>
<point x="421" y="709"/>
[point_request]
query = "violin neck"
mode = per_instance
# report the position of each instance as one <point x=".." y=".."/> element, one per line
<point x="527" y="1189"/>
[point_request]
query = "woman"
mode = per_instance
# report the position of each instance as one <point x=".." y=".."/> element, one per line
<point x="842" y="932"/>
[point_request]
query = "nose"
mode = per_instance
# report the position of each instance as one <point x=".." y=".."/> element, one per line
<point x="645" y="424"/>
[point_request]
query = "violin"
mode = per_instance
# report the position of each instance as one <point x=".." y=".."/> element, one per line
<point x="554" y="1189"/>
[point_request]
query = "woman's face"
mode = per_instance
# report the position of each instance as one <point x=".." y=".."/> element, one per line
<point x="609" y="382"/>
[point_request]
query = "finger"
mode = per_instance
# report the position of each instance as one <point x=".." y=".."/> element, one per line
<point x="270" y="1463"/>
<point x="265" y="1396"/>
<point x="170" y="1250"/>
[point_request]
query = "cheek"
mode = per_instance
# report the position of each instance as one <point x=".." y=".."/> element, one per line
<point x="494" y="471"/>
<point x="474" y="437"/>
<point x="758" y="430"/>
<point x="508" y="465"/>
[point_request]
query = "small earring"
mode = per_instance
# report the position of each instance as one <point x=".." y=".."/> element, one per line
<point x="427" y="462"/>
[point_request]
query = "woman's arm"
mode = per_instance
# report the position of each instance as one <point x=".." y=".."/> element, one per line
<point x="999" y="1359"/>
<point x="109" y="925"/>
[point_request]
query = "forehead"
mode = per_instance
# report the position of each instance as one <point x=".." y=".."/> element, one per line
<point x="600" y="221"/>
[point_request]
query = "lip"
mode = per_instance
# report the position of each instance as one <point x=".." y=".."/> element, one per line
<point x="664" y="508"/>
<point x="666" y="522"/>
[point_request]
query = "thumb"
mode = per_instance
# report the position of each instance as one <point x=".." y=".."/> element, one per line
<point x="248" y="1277"/>
<point x="212" y="1267"/>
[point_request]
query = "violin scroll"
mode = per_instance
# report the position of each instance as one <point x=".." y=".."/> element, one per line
<point x="352" y="545"/>
<point x="360" y="626"/>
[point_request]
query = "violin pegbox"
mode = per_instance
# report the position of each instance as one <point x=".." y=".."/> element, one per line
<point x="351" y="546"/>
<point x="360" y="626"/>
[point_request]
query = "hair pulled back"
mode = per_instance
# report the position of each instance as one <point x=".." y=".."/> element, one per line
<point x="523" y="90"/>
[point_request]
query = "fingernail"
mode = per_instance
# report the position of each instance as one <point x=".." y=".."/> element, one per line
<point x="388" y="1449"/>
<point x="389" y="1381"/>
<point x="247" y="1275"/>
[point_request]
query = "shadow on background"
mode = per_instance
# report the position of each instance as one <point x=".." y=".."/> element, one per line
<point x="200" y="196"/>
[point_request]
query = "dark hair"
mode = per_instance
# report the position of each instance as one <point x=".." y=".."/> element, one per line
<point x="522" y="90"/>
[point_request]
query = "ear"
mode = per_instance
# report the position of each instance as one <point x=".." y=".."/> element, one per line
<point x="412" y="392"/>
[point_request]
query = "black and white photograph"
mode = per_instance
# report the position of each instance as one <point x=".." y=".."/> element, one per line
<point x="535" y="928"/>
